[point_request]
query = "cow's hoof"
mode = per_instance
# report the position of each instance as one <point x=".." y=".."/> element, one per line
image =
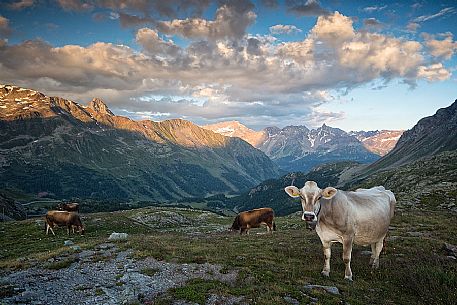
<point x="375" y="265"/>
<point x="325" y="273"/>
<point x="348" y="278"/>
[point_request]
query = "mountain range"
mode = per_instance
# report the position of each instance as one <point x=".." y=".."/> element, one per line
<point x="421" y="169"/>
<point x="50" y="146"/>
<point x="297" y="148"/>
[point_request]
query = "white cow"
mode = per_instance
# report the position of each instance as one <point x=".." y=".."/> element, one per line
<point x="361" y="217"/>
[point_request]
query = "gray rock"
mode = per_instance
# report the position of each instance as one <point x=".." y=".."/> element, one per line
<point x="118" y="236"/>
<point x="76" y="248"/>
<point x="215" y="299"/>
<point x="291" y="300"/>
<point x="366" y="253"/>
<point x="68" y="243"/>
<point x="105" y="246"/>
<point x="393" y="238"/>
<point x="450" y="249"/>
<point x="329" y="289"/>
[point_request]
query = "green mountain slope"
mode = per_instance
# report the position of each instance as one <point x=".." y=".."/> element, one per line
<point x="430" y="136"/>
<point x="271" y="193"/>
<point x="55" y="146"/>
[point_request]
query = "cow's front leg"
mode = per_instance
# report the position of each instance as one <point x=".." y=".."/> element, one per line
<point x="327" y="254"/>
<point x="347" y="252"/>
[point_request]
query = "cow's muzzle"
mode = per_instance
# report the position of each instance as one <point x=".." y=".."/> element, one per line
<point x="309" y="217"/>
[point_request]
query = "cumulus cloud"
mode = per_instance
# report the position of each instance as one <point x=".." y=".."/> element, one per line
<point x="256" y="78"/>
<point x="433" y="72"/>
<point x="5" y="29"/>
<point x="412" y="26"/>
<point x="372" y="23"/>
<point x="231" y="20"/>
<point x="153" y="44"/>
<point x="21" y="4"/>
<point x="75" y="5"/>
<point x="280" y="29"/>
<point x="138" y="12"/>
<point x="308" y="8"/>
<point x="443" y="48"/>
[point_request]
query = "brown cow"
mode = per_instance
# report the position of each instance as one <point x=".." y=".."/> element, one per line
<point x="253" y="219"/>
<point x="63" y="218"/>
<point x="69" y="206"/>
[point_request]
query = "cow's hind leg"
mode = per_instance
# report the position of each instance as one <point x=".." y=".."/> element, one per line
<point x="347" y="252"/>
<point x="374" y="261"/>
<point x="373" y="251"/>
<point x="269" y="228"/>
<point x="327" y="254"/>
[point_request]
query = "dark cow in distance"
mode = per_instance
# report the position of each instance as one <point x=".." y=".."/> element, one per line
<point x="253" y="219"/>
<point x="70" y="220"/>
<point x="69" y="207"/>
<point x="361" y="217"/>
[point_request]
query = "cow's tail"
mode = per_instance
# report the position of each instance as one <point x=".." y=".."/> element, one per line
<point x="392" y="203"/>
<point x="274" y="226"/>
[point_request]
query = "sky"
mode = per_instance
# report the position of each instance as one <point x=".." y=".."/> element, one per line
<point x="355" y="65"/>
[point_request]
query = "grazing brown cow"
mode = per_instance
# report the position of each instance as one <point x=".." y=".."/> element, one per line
<point x="63" y="218"/>
<point x="70" y="207"/>
<point x="253" y="219"/>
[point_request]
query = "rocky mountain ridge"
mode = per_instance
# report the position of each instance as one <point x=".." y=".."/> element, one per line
<point x="429" y="137"/>
<point x="378" y="141"/>
<point x="297" y="148"/>
<point x="57" y="146"/>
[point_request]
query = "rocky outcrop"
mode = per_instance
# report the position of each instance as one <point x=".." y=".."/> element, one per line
<point x="378" y="141"/>
<point x="236" y="129"/>
<point x="99" y="106"/>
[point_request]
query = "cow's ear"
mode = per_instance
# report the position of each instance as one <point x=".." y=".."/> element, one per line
<point x="292" y="191"/>
<point x="329" y="192"/>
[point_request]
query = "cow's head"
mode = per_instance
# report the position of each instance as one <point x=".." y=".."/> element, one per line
<point x="310" y="194"/>
<point x="80" y="229"/>
<point x="236" y="224"/>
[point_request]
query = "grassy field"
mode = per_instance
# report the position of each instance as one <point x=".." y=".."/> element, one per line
<point x="414" y="269"/>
